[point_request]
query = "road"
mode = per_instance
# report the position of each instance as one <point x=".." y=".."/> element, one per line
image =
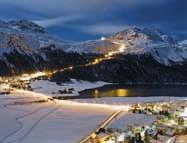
<point x="104" y="124"/>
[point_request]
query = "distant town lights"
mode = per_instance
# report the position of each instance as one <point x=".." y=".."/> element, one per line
<point x="5" y="86"/>
<point x="96" y="61"/>
<point x="25" y="77"/>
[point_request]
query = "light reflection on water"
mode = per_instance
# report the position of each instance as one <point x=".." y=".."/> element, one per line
<point x="111" y="93"/>
<point x="134" y="91"/>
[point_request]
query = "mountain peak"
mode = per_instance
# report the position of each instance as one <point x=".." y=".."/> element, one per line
<point x="143" y="34"/>
<point x="26" y="25"/>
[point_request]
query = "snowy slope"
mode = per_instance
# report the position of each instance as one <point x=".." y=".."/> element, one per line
<point x="162" y="47"/>
<point x="46" y="122"/>
<point x="91" y="46"/>
<point x="29" y="37"/>
<point x="25" y="35"/>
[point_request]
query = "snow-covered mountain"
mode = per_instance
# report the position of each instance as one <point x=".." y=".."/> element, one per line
<point x="162" y="47"/>
<point x="26" y="46"/>
<point x="28" y="36"/>
<point x="22" y="25"/>
<point x="23" y="46"/>
<point x="148" y="56"/>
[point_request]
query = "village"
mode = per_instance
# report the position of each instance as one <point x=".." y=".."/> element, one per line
<point x="170" y="122"/>
<point x="169" y="119"/>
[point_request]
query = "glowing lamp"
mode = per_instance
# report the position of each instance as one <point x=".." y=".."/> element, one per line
<point x="103" y="38"/>
<point x="122" y="48"/>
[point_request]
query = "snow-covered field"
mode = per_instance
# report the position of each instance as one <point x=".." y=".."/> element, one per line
<point x="51" y="88"/>
<point x="132" y="119"/>
<point x="25" y="121"/>
<point x="47" y="122"/>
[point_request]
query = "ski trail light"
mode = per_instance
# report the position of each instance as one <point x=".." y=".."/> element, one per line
<point x="122" y="48"/>
<point x="96" y="61"/>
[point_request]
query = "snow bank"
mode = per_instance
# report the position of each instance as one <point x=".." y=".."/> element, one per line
<point x="51" y="88"/>
<point x="129" y="100"/>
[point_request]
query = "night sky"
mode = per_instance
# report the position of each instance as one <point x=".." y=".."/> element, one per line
<point x="89" y="19"/>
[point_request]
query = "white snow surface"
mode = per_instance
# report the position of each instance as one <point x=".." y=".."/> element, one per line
<point x="138" y="41"/>
<point x="162" y="51"/>
<point x="51" y="88"/>
<point x="51" y="122"/>
<point x="45" y="122"/>
<point x="127" y="119"/>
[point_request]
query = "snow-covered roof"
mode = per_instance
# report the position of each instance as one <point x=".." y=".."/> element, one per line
<point x="184" y="114"/>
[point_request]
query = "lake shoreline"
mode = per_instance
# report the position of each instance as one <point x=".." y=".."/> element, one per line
<point x="134" y="90"/>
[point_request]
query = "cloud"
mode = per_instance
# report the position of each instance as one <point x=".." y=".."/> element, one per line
<point x="58" y="12"/>
<point x="100" y="17"/>
<point x="57" y="20"/>
<point x="102" y="29"/>
<point x="58" y="7"/>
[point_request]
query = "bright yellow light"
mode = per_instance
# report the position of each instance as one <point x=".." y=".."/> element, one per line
<point x="122" y="92"/>
<point x="96" y="61"/>
<point x="96" y="93"/>
<point x="94" y="135"/>
<point x="122" y="48"/>
<point x="110" y="53"/>
<point x="25" y="77"/>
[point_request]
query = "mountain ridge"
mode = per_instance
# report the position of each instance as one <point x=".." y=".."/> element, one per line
<point x="29" y="50"/>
